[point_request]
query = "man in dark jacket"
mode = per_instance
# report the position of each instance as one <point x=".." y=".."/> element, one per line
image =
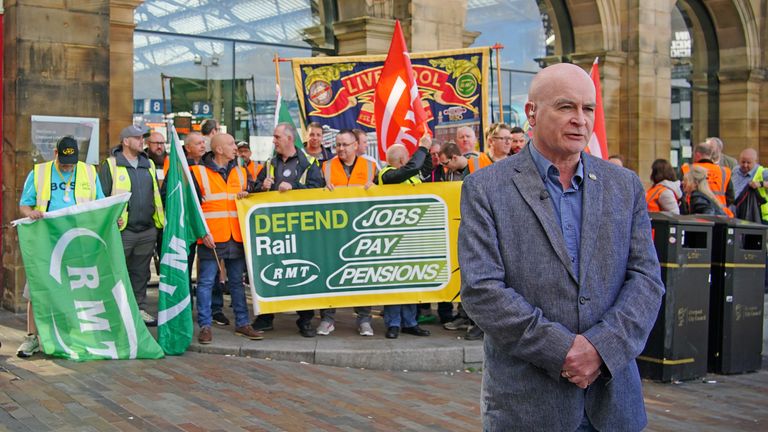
<point x="290" y="169"/>
<point x="403" y="318"/>
<point x="128" y="169"/>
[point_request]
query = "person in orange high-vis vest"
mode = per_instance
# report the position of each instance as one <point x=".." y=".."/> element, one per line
<point x="220" y="182"/>
<point x="244" y="155"/>
<point x="718" y="177"/>
<point x="499" y="140"/>
<point x="347" y="169"/>
<point x="665" y="193"/>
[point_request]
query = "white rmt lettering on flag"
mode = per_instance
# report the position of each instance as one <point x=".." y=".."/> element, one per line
<point x="400" y="116"/>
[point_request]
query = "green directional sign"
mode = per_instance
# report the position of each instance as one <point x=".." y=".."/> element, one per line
<point x="311" y="248"/>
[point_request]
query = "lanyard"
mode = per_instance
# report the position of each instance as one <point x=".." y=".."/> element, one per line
<point x="66" y="181"/>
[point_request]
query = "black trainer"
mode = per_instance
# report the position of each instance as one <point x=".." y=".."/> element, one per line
<point x="260" y="324"/>
<point x="415" y="330"/>
<point x="474" y="333"/>
<point x="305" y="328"/>
<point x="220" y="319"/>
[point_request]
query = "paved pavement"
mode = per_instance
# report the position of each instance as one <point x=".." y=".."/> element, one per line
<point x="235" y="391"/>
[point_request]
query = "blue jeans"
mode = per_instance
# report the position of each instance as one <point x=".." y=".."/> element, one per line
<point x="400" y="315"/>
<point x="208" y="271"/>
<point x="586" y="425"/>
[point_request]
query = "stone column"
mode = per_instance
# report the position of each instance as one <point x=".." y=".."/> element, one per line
<point x="365" y="27"/>
<point x="62" y="58"/>
<point x="645" y="130"/>
<point x="740" y="110"/>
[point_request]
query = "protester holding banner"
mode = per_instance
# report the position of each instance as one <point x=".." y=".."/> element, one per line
<point x="403" y="317"/>
<point x="47" y="188"/>
<point x="128" y="169"/>
<point x="346" y="169"/>
<point x="499" y="139"/>
<point x="456" y="164"/>
<point x="314" y="146"/>
<point x="362" y="146"/>
<point x="467" y="141"/>
<point x="220" y="181"/>
<point x="289" y="169"/>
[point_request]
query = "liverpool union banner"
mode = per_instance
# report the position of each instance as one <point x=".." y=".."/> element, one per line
<point x="394" y="244"/>
<point x="79" y="286"/>
<point x="337" y="92"/>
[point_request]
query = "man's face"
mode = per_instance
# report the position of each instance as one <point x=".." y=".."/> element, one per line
<point x="501" y="142"/>
<point x="465" y="139"/>
<point x="518" y="142"/>
<point x="450" y="163"/>
<point x="244" y="152"/>
<point x="346" y="147"/>
<point x="282" y="141"/>
<point x="362" y="144"/>
<point x="156" y="144"/>
<point x="229" y="149"/>
<point x="315" y="137"/>
<point x="434" y="151"/>
<point x="747" y="162"/>
<point x="195" y="147"/>
<point x="135" y="144"/>
<point x="564" y="116"/>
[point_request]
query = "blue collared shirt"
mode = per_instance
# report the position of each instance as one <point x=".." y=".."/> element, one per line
<point x="567" y="203"/>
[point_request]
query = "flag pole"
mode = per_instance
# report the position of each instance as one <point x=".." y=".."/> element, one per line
<point x="498" y="47"/>
<point x="276" y="60"/>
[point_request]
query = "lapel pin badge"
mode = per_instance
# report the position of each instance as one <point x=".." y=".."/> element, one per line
<point x="592" y="176"/>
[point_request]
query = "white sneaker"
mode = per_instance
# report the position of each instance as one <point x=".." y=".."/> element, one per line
<point x="30" y="346"/>
<point x="365" y="329"/>
<point x="148" y="319"/>
<point x="325" y="328"/>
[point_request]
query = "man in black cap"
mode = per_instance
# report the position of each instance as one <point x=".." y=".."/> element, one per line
<point x="53" y="185"/>
<point x="128" y="169"/>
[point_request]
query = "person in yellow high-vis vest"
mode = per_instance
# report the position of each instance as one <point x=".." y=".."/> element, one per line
<point x="59" y="183"/>
<point x="402" y="169"/>
<point x="128" y="169"/>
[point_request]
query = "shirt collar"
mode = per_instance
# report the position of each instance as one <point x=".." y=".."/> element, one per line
<point x="751" y="172"/>
<point x="548" y="169"/>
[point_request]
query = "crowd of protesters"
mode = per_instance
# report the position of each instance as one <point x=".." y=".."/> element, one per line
<point x="224" y="171"/>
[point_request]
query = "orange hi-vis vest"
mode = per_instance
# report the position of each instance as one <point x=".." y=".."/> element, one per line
<point x="476" y="163"/>
<point x="218" y="203"/>
<point x="253" y="169"/>
<point x="362" y="173"/>
<point x="652" y="197"/>
<point x="718" y="178"/>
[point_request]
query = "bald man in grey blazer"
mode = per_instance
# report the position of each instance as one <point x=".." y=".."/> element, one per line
<point x="559" y="269"/>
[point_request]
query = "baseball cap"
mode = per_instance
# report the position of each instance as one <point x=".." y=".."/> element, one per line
<point x="243" y="144"/>
<point x="134" y="131"/>
<point x="67" y="150"/>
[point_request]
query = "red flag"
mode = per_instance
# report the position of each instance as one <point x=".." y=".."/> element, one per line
<point x="400" y="117"/>
<point x="598" y="144"/>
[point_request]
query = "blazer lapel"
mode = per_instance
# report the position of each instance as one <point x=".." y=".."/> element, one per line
<point x="591" y="211"/>
<point x="528" y="181"/>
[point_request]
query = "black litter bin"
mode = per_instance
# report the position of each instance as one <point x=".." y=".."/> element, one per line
<point x="736" y="296"/>
<point x="677" y="346"/>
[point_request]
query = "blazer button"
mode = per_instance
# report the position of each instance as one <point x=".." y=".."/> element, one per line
<point x="583" y="300"/>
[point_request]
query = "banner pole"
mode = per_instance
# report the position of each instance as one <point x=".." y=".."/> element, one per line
<point x="498" y="47"/>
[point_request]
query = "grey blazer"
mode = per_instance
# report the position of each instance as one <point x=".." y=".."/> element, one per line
<point x="518" y="286"/>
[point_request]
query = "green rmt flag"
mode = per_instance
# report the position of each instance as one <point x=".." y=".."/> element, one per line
<point x="184" y="224"/>
<point x="283" y="116"/>
<point x="79" y="285"/>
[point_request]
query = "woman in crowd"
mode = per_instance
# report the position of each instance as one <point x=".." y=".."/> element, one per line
<point x="665" y="193"/>
<point x="699" y="198"/>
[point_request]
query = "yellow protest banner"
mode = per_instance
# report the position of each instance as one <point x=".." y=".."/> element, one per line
<point x="315" y="248"/>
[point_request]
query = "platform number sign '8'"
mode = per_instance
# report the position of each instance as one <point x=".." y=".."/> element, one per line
<point x="155" y="106"/>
